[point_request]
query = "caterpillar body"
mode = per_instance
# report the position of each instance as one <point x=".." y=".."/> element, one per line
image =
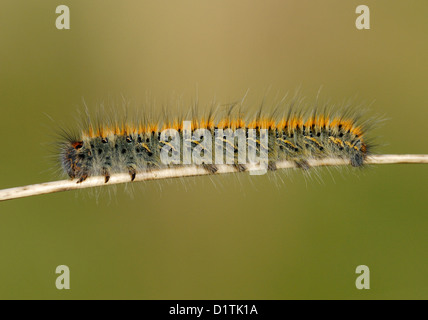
<point x="120" y="147"/>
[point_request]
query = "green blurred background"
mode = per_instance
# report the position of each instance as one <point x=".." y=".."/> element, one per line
<point x="276" y="236"/>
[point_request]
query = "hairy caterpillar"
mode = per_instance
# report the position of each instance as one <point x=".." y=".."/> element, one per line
<point x="110" y="147"/>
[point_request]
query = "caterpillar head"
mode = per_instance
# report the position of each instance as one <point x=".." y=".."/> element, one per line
<point x="72" y="157"/>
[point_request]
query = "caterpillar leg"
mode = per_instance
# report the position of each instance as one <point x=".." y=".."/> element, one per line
<point x="240" y="167"/>
<point x="132" y="173"/>
<point x="83" y="177"/>
<point x="106" y="175"/>
<point x="211" y="168"/>
<point x="272" y="166"/>
<point x="357" y="160"/>
<point x="302" y="164"/>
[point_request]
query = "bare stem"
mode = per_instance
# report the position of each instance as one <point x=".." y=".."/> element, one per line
<point x="188" y="171"/>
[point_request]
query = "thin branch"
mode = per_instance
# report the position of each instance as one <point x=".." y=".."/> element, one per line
<point x="190" y="171"/>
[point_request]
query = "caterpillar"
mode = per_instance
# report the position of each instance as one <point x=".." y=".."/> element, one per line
<point x="110" y="147"/>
